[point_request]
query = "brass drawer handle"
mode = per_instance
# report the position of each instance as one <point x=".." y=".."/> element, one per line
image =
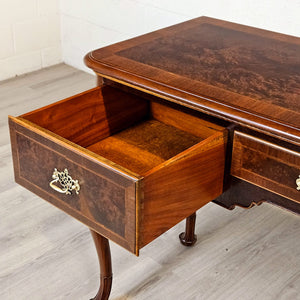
<point x="298" y="183"/>
<point x="66" y="181"/>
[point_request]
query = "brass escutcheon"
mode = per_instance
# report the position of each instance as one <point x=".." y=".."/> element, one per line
<point x="298" y="183"/>
<point x="65" y="180"/>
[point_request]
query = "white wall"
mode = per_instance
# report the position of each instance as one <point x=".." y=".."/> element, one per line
<point x="29" y="36"/>
<point x="92" y="24"/>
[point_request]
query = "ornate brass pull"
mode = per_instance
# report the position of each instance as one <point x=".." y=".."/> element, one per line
<point x="298" y="183"/>
<point x="66" y="181"/>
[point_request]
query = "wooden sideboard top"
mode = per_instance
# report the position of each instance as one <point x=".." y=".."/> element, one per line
<point x="238" y="73"/>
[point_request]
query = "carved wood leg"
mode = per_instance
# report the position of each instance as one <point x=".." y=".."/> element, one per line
<point x="188" y="238"/>
<point x="103" y="251"/>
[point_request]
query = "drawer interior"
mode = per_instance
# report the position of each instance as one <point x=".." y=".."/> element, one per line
<point x="127" y="129"/>
<point x="143" y="165"/>
<point x="144" y="145"/>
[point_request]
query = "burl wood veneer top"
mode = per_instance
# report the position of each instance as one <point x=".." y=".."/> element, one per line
<point x="239" y="73"/>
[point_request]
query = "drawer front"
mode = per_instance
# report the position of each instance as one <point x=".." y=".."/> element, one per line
<point x="267" y="165"/>
<point x="106" y="201"/>
<point x="142" y="166"/>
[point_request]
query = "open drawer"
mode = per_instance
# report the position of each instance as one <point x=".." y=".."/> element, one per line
<point x="127" y="167"/>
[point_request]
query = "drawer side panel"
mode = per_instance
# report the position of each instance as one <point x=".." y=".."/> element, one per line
<point x="184" y="184"/>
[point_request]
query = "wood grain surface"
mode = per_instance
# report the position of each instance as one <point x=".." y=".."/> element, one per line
<point x="180" y="186"/>
<point x="144" y="146"/>
<point x="238" y="73"/>
<point x="91" y="115"/>
<point x="265" y="164"/>
<point x="46" y="254"/>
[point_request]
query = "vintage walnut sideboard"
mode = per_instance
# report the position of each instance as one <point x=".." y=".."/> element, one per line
<point x="202" y="111"/>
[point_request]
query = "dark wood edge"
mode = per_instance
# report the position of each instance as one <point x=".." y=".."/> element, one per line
<point x="246" y="195"/>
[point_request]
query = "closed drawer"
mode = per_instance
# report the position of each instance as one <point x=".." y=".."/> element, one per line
<point x="267" y="165"/>
<point x="136" y="167"/>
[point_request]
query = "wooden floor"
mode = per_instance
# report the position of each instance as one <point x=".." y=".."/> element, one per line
<point x="45" y="254"/>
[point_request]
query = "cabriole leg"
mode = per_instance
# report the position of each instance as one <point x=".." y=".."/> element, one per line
<point x="188" y="238"/>
<point x="103" y="251"/>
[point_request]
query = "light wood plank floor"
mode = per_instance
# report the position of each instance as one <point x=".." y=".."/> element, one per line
<point x="45" y="254"/>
